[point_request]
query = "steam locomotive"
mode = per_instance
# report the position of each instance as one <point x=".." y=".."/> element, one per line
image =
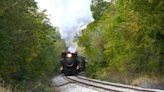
<point x="71" y="63"/>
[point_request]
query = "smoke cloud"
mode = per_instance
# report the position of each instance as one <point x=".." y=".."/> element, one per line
<point x="70" y="16"/>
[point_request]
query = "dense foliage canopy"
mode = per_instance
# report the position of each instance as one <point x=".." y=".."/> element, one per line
<point x="126" y="40"/>
<point x="29" y="46"/>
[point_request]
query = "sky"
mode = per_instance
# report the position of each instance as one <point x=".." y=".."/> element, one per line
<point x="48" y="5"/>
<point x="70" y="16"/>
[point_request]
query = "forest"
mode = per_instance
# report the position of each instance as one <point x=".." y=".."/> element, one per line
<point x="126" y="40"/>
<point x="124" y="43"/>
<point x="29" y="45"/>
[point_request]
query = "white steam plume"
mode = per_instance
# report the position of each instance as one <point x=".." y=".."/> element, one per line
<point x="70" y="16"/>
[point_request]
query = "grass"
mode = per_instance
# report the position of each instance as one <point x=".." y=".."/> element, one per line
<point x="154" y="79"/>
<point x="4" y="88"/>
<point x="41" y="87"/>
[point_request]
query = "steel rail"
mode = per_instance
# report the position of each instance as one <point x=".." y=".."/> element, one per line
<point x="92" y="85"/>
<point x="125" y="87"/>
<point x="120" y="86"/>
<point x="64" y="83"/>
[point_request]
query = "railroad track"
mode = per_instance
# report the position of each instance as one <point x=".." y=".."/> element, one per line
<point x="111" y="87"/>
<point x="62" y="80"/>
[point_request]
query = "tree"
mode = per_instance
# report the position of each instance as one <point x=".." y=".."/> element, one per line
<point x="129" y="38"/>
<point x="28" y="43"/>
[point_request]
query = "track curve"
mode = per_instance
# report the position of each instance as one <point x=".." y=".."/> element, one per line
<point x="108" y="86"/>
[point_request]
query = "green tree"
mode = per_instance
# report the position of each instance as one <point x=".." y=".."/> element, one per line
<point x="129" y="39"/>
<point x="28" y="43"/>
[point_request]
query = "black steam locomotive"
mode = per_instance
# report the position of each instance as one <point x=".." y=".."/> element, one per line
<point x="72" y="63"/>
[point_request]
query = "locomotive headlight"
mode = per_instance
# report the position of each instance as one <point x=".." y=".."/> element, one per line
<point x="69" y="55"/>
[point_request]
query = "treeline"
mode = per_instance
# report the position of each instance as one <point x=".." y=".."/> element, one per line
<point x="29" y="46"/>
<point x="126" y="40"/>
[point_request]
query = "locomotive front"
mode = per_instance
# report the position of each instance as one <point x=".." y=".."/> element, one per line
<point x="71" y="63"/>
